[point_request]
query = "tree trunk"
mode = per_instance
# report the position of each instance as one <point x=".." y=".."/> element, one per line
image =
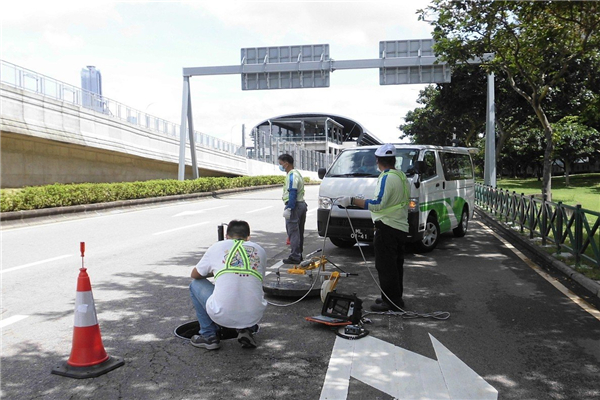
<point x="547" y="173"/>
<point x="567" y="171"/>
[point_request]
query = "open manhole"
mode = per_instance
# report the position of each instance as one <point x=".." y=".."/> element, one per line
<point x="189" y="329"/>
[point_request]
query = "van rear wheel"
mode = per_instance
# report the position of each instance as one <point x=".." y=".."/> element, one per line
<point x="431" y="236"/>
<point x="462" y="227"/>
<point x="343" y="243"/>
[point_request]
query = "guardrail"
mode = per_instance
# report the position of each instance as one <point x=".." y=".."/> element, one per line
<point x="569" y="228"/>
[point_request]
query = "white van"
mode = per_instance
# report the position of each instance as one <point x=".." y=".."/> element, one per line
<point x="442" y="193"/>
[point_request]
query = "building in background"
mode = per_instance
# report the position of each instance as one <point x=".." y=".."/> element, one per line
<point x="323" y="133"/>
<point x="91" y="85"/>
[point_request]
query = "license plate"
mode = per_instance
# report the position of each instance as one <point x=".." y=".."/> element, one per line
<point x="360" y="234"/>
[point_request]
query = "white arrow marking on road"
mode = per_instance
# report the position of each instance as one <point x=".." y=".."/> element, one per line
<point x="183" y="213"/>
<point x="402" y="373"/>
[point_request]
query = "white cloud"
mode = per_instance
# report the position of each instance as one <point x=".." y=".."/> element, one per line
<point x="63" y="40"/>
<point x="36" y="15"/>
<point x="352" y="23"/>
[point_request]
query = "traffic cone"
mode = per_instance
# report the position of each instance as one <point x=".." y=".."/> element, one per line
<point x="88" y="357"/>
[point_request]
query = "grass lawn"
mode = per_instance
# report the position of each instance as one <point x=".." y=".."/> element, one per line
<point x="584" y="189"/>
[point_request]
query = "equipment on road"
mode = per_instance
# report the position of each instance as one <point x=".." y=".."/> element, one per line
<point x="339" y="309"/>
<point x="88" y="357"/>
<point x="314" y="268"/>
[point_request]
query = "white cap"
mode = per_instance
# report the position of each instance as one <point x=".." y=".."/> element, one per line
<point x="387" y="150"/>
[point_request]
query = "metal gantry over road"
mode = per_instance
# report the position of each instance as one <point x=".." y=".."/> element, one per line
<point x="309" y="66"/>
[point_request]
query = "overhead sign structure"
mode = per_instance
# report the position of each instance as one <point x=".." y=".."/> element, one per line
<point x="302" y="77"/>
<point x="309" y="66"/>
<point x="426" y="70"/>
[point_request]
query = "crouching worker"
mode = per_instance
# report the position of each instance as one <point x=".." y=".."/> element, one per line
<point x="236" y="298"/>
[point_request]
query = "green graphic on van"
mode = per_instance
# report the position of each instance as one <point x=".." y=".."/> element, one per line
<point x="446" y="211"/>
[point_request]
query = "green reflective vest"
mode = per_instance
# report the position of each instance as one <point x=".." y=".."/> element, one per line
<point x="238" y="269"/>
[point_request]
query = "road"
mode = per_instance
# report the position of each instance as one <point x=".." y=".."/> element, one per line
<point x="516" y="334"/>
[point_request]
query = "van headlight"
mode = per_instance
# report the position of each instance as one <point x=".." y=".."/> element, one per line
<point x="413" y="204"/>
<point x="325" y="202"/>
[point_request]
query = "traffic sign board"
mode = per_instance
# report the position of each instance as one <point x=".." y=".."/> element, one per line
<point x="424" y="71"/>
<point x="292" y="60"/>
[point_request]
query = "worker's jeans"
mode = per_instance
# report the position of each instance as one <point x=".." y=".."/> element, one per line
<point x="200" y="291"/>
<point x="295" y="230"/>
<point x="389" y="261"/>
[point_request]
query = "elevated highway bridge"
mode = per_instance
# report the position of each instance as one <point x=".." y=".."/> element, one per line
<point x="52" y="132"/>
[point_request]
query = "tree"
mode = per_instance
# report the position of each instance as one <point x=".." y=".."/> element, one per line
<point x="574" y="141"/>
<point x="533" y="44"/>
<point x="459" y="107"/>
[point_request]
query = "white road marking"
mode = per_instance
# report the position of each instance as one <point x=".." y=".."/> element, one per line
<point x="183" y="213"/>
<point x="401" y="373"/>
<point x="11" y="320"/>
<point x="576" y="299"/>
<point x="182" y="227"/>
<point x="35" y="263"/>
<point x="260" y="209"/>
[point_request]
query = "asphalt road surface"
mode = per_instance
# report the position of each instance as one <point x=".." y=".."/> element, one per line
<point x="511" y="333"/>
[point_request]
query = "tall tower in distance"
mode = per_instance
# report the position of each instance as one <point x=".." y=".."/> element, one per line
<point x="91" y="83"/>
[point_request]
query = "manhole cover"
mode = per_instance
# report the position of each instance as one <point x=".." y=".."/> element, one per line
<point x="189" y="329"/>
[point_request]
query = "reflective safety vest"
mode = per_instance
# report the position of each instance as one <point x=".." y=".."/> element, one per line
<point x="238" y="269"/>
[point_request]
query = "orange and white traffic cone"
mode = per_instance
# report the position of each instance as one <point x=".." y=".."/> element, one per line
<point x="88" y="357"/>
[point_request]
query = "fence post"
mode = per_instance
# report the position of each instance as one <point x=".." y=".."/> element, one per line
<point x="578" y="234"/>
<point x="531" y="216"/>
<point x="559" y="226"/>
<point x="543" y="221"/>
<point x="522" y="211"/>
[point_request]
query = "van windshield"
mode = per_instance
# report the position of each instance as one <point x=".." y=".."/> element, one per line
<point x="361" y="162"/>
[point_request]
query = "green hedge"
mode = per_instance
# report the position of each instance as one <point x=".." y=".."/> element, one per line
<point x="60" y="195"/>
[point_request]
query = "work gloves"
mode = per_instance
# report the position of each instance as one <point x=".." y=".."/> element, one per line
<point x="344" y="201"/>
<point x="287" y="213"/>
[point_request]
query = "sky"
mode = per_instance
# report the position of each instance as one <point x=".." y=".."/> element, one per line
<point x="141" y="48"/>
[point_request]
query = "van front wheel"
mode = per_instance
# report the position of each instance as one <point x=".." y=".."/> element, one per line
<point x="461" y="229"/>
<point x="431" y="236"/>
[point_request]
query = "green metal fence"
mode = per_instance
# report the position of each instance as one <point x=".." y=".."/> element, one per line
<point x="569" y="228"/>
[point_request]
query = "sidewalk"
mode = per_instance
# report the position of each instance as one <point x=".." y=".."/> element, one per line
<point x="546" y="259"/>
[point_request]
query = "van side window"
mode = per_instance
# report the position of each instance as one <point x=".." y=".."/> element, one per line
<point x="456" y="166"/>
<point x="430" y="170"/>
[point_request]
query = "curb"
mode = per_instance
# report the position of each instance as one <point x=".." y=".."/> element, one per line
<point x="545" y="258"/>
<point x="83" y="208"/>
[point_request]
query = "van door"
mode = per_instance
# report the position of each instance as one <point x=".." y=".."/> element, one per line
<point x="431" y="200"/>
<point x="458" y="170"/>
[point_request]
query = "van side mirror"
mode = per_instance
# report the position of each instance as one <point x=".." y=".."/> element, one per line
<point x="321" y="172"/>
<point x="420" y="167"/>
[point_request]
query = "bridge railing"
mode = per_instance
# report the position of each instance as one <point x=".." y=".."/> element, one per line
<point x="569" y="228"/>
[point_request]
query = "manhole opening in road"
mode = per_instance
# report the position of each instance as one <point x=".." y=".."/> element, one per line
<point x="189" y="329"/>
